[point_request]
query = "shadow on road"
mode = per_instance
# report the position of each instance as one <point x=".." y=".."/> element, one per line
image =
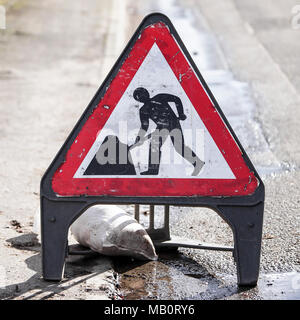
<point x="78" y="269"/>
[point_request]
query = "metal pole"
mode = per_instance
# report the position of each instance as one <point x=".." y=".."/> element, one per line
<point x="151" y="220"/>
<point x="167" y="221"/>
<point x="167" y="215"/>
<point x="137" y="212"/>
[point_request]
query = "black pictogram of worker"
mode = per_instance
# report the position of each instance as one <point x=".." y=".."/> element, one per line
<point x="167" y="123"/>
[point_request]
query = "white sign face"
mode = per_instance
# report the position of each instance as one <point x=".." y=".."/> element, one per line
<point x="156" y="76"/>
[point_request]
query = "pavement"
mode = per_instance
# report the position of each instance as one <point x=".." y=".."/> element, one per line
<point x="53" y="57"/>
<point x="45" y="53"/>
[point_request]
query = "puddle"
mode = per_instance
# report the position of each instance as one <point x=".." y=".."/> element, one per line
<point x="279" y="286"/>
<point x="173" y="277"/>
<point x="177" y="277"/>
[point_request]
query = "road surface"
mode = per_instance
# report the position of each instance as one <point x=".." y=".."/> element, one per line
<point x="53" y="57"/>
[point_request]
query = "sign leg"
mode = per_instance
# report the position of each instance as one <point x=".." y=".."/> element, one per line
<point x="246" y="223"/>
<point x="56" y="218"/>
<point x="137" y="212"/>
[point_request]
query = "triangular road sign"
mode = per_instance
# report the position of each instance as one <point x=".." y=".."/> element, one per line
<point x="153" y="102"/>
<point x="154" y="86"/>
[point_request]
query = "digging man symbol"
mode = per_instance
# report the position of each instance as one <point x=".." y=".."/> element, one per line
<point x="167" y="123"/>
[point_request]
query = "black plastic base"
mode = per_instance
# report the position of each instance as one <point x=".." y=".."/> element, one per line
<point x="245" y="221"/>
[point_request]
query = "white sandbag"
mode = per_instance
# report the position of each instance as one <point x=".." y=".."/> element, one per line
<point x="109" y="230"/>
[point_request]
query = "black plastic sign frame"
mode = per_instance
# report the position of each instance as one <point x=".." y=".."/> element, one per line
<point x="244" y="214"/>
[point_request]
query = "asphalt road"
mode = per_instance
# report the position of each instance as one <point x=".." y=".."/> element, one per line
<point x="248" y="54"/>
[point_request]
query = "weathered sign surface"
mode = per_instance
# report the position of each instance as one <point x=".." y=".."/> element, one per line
<point x="157" y="90"/>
